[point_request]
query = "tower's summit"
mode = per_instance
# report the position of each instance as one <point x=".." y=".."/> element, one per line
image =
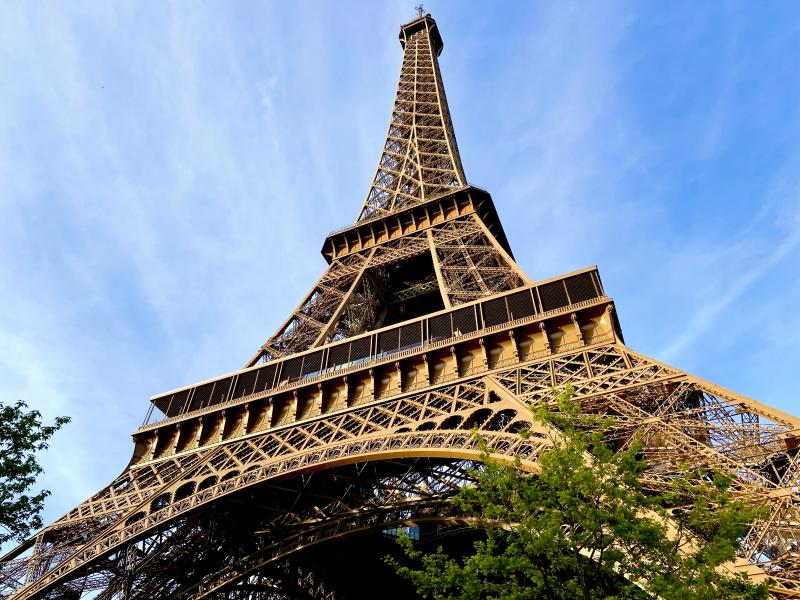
<point x="423" y="22"/>
<point x="420" y="157"/>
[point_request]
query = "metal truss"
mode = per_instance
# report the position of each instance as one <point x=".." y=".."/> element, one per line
<point x="419" y="162"/>
<point x="468" y="262"/>
<point x="224" y="496"/>
<point x="420" y="158"/>
<point x="267" y="477"/>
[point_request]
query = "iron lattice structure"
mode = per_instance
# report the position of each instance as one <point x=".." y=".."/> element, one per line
<point x="355" y="417"/>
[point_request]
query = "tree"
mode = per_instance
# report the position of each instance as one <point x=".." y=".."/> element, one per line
<point x="22" y="435"/>
<point x="585" y="528"/>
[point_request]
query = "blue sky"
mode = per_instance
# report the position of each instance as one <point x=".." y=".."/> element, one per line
<point x="168" y="172"/>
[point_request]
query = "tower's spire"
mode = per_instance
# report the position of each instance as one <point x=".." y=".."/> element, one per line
<point x="420" y="157"/>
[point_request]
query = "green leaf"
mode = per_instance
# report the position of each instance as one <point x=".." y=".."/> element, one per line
<point x="22" y="435"/>
<point x="585" y="528"/>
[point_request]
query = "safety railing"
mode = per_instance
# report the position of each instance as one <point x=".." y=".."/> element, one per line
<point x="540" y="300"/>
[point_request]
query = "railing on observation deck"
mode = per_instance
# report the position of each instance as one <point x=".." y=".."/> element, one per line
<point x="408" y="337"/>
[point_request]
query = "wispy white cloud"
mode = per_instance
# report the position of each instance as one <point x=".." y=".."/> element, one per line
<point x="746" y="270"/>
<point x="561" y="138"/>
<point x="147" y="192"/>
<point x="723" y="276"/>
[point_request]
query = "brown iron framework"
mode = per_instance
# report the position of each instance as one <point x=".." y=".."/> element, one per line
<point x="420" y="157"/>
<point x="356" y="416"/>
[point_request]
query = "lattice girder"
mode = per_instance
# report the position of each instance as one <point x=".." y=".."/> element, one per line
<point x="379" y="407"/>
<point x="420" y="158"/>
<point x="683" y="421"/>
<point x="343" y="500"/>
<point x="235" y="531"/>
<point x="253" y="461"/>
<point x="467" y="262"/>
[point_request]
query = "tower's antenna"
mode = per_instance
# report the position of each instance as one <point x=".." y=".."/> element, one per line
<point x="420" y="10"/>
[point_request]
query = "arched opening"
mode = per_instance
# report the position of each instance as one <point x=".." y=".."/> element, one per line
<point x="160" y="502"/>
<point x="451" y="422"/>
<point x="186" y="490"/>
<point x="207" y="483"/>
<point x="518" y="426"/>
<point x="477" y="418"/>
<point x="133" y="518"/>
<point x="501" y="420"/>
<point x="229" y="475"/>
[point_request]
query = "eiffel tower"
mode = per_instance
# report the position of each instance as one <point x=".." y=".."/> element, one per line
<point x="285" y="478"/>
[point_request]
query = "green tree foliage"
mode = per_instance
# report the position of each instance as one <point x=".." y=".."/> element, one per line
<point x="22" y="435"/>
<point x="584" y="528"/>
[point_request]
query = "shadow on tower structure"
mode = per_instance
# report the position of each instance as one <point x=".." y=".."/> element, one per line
<point x="282" y="479"/>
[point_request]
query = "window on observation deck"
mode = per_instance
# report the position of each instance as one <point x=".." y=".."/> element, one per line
<point x="409" y="532"/>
